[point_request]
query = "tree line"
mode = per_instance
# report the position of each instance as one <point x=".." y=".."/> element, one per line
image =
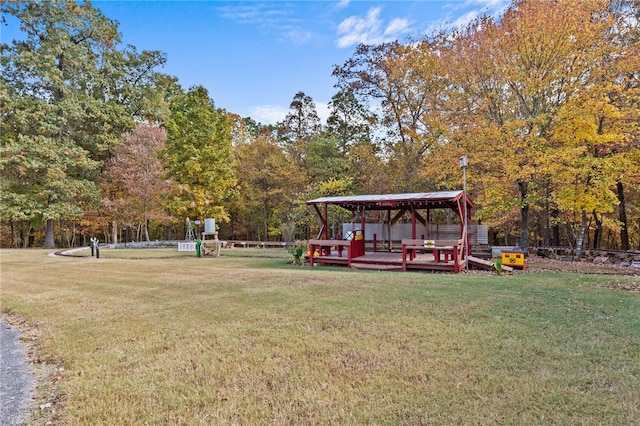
<point x="544" y="100"/>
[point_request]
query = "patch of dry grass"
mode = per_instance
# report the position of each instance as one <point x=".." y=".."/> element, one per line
<point x="164" y="339"/>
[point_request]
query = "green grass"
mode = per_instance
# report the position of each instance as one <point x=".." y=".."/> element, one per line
<point x="153" y="337"/>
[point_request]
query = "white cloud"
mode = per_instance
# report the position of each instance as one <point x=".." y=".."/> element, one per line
<point x="465" y="19"/>
<point x="268" y="18"/>
<point x="323" y="110"/>
<point x="488" y="4"/>
<point x="272" y="114"/>
<point x="298" y="36"/>
<point x="463" y="13"/>
<point x="368" y="29"/>
<point x="397" y="26"/>
<point x="342" y="4"/>
<point x="357" y="29"/>
<point x="258" y="14"/>
<point x="268" y="114"/>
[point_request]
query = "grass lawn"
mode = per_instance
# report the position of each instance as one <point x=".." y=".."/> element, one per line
<point x="156" y="337"/>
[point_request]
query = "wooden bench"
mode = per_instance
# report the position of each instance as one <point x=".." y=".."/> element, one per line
<point x="324" y="248"/>
<point x="449" y="249"/>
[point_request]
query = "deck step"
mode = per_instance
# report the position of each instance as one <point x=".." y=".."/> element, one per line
<point x="375" y="267"/>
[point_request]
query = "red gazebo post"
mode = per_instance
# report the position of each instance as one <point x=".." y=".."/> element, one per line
<point x="325" y="221"/>
<point x="413" y="222"/>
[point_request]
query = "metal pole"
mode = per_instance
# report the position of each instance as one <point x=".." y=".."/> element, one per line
<point x="463" y="164"/>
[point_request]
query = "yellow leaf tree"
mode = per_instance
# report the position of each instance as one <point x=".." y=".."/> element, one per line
<point x="596" y="137"/>
<point x="198" y="156"/>
<point x="511" y="77"/>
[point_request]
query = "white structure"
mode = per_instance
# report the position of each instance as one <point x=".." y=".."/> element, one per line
<point x="478" y="233"/>
<point x="209" y="226"/>
<point x="188" y="246"/>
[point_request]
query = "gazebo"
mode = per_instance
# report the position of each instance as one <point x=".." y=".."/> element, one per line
<point x="414" y="252"/>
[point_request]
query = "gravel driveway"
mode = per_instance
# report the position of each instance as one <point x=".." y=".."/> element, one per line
<point x="15" y="379"/>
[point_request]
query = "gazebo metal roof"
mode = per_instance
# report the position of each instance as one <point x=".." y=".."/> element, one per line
<point x="420" y="200"/>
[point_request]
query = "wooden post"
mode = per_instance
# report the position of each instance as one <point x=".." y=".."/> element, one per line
<point x="325" y="220"/>
<point x="362" y="222"/>
<point x="389" y="230"/>
<point x="311" y="251"/>
<point x="456" y="263"/>
<point x="413" y="222"/>
<point x="404" y="257"/>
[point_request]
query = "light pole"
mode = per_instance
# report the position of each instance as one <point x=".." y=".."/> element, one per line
<point x="463" y="165"/>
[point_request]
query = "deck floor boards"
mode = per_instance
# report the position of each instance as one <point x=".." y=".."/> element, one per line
<point x="387" y="261"/>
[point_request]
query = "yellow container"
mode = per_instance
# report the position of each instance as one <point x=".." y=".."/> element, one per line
<point x="513" y="258"/>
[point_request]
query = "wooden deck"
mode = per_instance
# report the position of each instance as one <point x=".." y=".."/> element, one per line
<point x="384" y="261"/>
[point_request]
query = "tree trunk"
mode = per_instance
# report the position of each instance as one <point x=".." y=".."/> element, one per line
<point x="624" y="230"/>
<point x="49" y="236"/>
<point x="555" y="228"/>
<point x="547" y="214"/>
<point x="597" y="235"/>
<point x="13" y="233"/>
<point x="114" y="232"/>
<point x="265" y="219"/>
<point x="580" y="240"/>
<point x="524" y="216"/>
<point x="31" y="238"/>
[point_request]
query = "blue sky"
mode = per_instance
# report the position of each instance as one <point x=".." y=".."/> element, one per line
<point x="254" y="56"/>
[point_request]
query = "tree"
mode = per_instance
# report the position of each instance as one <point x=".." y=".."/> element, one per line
<point x="45" y="178"/>
<point x="511" y="78"/>
<point x="64" y="97"/>
<point x="352" y="124"/>
<point x="367" y="170"/>
<point x="324" y="159"/>
<point x="298" y="127"/>
<point x="599" y="130"/>
<point x="198" y="156"/>
<point x="349" y="122"/>
<point x="268" y="182"/>
<point x="406" y="80"/>
<point x="624" y="73"/>
<point x="133" y="181"/>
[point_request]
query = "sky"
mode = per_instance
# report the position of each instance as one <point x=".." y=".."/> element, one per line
<point x="254" y="56"/>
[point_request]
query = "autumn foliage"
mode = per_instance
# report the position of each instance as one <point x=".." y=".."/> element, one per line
<point x="544" y="100"/>
<point x="133" y="182"/>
